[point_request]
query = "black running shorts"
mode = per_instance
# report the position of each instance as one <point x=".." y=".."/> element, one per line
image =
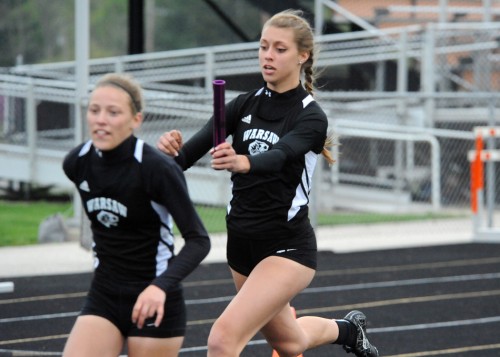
<point x="243" y="254"/>
<point x="114" y="301"/>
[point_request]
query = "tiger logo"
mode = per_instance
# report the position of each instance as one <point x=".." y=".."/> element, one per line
<point x="257" y="147"/>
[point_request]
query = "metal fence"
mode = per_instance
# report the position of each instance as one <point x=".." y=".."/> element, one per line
<point x="402" y="102"/>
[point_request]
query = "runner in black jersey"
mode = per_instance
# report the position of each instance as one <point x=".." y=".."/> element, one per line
<point x="131" y="192"/>
<point x="277" y="133"/>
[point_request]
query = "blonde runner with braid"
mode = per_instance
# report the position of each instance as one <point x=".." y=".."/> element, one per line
<point x="278" y="132"/>
<point x="305" y="43"/>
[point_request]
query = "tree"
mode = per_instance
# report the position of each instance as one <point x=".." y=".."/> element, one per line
<point x="40" y="31"/>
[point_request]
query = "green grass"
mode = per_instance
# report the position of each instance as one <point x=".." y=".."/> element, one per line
<point x="214" y="218"/>
<point x="326" y="219"/>
<point x="341" y="218"/>
<point x="19" y="221"/>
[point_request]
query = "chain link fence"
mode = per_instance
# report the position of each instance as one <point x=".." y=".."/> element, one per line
<point x="401" y="102"/>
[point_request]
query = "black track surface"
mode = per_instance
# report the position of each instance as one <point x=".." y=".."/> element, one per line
<point x="430" y="301"/>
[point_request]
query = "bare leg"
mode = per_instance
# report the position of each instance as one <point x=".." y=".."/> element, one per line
<point x="263" y="297"/>
<point x="154" y="347"/>
<point x="93" y="336"/>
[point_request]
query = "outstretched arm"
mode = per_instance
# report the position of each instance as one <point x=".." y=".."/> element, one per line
<point x="186" y="154"/>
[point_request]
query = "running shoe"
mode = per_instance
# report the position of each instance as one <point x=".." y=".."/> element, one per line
<point x="362" y="347"/>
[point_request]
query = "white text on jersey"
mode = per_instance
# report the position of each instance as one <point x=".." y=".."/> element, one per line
<point x="108" y="204"/>
<point x="261" y="134"/>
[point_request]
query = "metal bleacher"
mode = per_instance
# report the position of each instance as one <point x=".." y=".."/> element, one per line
<point x="178" y="95"/>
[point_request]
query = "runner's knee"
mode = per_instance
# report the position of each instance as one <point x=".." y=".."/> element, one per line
<point x="221" y="341"/>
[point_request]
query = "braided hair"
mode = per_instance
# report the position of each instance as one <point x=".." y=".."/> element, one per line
<point x="304" y="38"/>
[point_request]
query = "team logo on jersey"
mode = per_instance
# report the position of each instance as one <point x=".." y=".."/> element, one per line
<point x="257" y="147"/>
<point x="247" y="119"/>
<point x="260" y="134"/>
<point x="110" y="210"/>
<point x="261" y="140"/>
<point x="107" y="219"/>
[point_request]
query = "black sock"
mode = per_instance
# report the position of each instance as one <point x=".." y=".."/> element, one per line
<point x="347" y="333"/>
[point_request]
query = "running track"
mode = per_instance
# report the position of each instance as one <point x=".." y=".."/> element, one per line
<point x="430" y="301"/>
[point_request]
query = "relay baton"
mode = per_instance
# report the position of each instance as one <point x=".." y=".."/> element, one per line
<point x="219" y="127"/>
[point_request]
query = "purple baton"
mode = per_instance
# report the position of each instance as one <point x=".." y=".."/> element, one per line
<point x="219" y="114"/>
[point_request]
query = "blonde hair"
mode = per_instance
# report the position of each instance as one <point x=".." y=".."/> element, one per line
<point x="304" y="39"/>
<point x="128" y="84"/>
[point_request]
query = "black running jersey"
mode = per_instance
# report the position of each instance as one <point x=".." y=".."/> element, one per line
<point x="282" y="135"/>
<point x="131" y="194"/>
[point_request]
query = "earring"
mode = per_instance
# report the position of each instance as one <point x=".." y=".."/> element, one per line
<point x="300" y="62"/>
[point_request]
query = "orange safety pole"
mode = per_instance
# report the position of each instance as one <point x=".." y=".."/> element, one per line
<point x="474" y="180"/>
<point x="275" y="354"/>
<point x="473" y="187"/>
<point x="477" y="174"/>
<point x="480" y="166"/>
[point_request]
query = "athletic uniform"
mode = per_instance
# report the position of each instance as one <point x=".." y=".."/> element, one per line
<point x="131" y="194"/>
<point x="282" y="135"/>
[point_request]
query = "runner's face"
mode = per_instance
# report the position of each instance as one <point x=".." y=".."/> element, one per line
<point x="110" y="118"/>
<point x="279" y="58"/>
